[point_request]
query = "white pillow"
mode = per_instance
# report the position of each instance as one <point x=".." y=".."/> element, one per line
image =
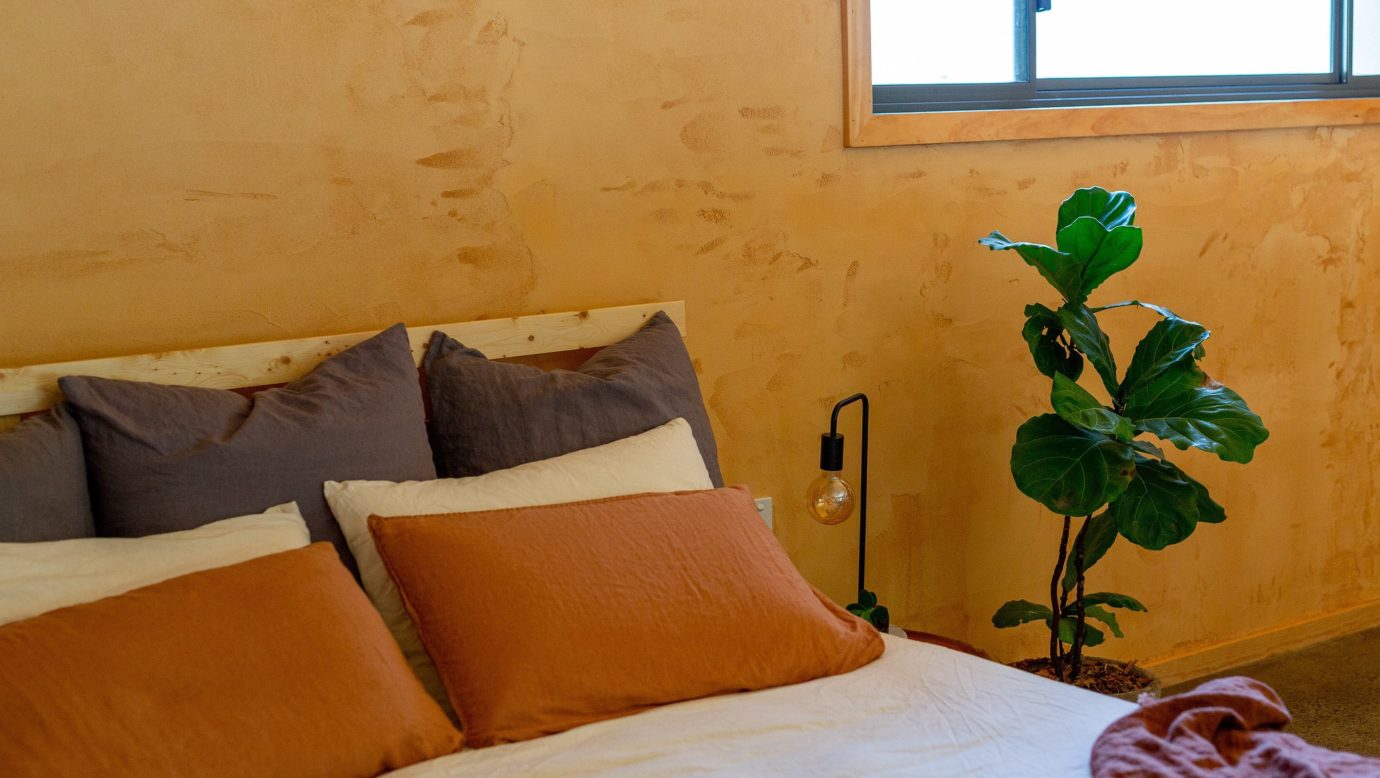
<point x="663" y="459"/>
<point x="39" y="577"/>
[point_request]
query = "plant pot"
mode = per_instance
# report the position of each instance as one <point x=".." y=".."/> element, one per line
<point x="1090" y="676"/>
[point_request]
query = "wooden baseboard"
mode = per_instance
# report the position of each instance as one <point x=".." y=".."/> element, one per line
<point x="1207" y="660"/>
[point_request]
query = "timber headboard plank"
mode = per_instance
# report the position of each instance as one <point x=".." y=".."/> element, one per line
<point x="34" y="387"/>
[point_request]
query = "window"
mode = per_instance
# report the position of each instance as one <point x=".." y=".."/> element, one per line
<point x="942" y="57"/>
<point x="1365" y="32"/>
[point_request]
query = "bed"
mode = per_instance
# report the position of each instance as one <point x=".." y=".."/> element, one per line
<point x="919" y="709"/>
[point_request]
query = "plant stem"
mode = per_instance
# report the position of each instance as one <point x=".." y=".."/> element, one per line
<point x="1081" y="629"/>
<point x="1056" y="649"/>
<point x="1064" y="598"/>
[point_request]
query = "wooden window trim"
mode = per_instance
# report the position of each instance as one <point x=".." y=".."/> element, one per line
<point x="865" y="129"/>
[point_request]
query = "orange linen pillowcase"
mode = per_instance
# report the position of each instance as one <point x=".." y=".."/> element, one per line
<point x="275" y="666"/>
<point x="545" y="618"/>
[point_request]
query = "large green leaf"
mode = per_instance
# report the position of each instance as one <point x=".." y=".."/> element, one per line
<point x="1073" y="403"/>
<point x="880" y="618"/>
<point x="1185" y="407"/>
<point x="1061" y="270"/>
<point x="1081" y="238"/>
<point x="1092" y="636"/>
<point x="1166" y="393"/>
<point x="1081" y="325"/>
<point x="1172" y="340"/>
<point x="1208" y="509"/>
<point x="1043" y="334"/>
<point x="867" y="609"/>
<point x="1070" y="470"/>
<point x="1159" y="508"/>
<point x="1098" y="539"/>
<point x="1018" y="612"/>
<point x="1148" y="448"/>
<point x="1112" y="209"/>
<point x="1114" y="600"/>
<point x="1101" y="251"/>
<point x="1105" y="616"/>
<point x="1160" y="309"/>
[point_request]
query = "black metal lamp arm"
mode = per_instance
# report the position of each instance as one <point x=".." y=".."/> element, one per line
<point x="831" y="458"/>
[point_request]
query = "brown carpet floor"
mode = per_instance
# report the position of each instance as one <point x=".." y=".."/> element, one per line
<point x="1332" y="690"/>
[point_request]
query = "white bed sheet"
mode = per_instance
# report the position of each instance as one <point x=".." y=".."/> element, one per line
<point x="918" y="710"/>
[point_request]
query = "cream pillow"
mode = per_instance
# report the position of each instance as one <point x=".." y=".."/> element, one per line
<point x="662" y="459"/>
<point x="39" y="577"/>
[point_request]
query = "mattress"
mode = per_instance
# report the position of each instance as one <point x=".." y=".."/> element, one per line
<point x="918" y="710"/>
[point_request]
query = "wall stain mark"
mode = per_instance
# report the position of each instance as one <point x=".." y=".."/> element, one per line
<point x="769" y="112"/>
<point x="707" y="187"/>
<point x="465" y="67"/>
<point x="697" y="134"/>
<point x="495" y="30"/>
<point x="195" y="195"/>
<point x="430" y="18"/>
<point x="465" y="159"/>
<point x="710" y="246"/>
<point x="1207" y="244"/>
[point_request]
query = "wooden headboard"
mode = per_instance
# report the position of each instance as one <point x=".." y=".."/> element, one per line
<point x="34" y="387"/>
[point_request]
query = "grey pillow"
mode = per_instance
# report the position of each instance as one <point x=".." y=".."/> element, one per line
<point x="43" y="494"/>
<point x="166" y="458"/>
<point x="488" y="415"/>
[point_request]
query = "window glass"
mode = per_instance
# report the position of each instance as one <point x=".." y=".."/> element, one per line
<point x="967" y="42"/>
<point x="1135" y="38"/>
<point x="1366" y="59"/>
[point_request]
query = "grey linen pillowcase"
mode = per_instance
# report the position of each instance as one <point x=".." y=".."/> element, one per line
<point x="43" y="493"/>
<point x="167" y="458"/>
<point x="488" y="415"/>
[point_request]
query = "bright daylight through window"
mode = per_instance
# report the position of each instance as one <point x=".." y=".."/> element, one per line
<point x="928" y="55"/>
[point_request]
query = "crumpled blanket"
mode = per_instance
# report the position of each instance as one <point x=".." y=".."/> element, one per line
<point x="1225" y="728"/>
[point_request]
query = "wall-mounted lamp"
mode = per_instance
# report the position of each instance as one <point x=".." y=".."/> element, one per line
<point x="831" y="501"/>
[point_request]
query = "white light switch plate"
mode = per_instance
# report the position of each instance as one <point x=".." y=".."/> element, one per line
<point x="764" y="509"/>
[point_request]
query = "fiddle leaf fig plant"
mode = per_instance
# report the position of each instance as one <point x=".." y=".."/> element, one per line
<point x="1094" y="458"/>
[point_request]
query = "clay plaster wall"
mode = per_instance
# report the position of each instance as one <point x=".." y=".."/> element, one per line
<point x="216" y="171"/>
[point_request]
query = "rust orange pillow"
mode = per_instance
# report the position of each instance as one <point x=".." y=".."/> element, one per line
<point x="278" y="666"/>
<point x="542" y="619"/>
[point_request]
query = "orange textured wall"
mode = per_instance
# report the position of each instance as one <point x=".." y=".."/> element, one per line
<point x="217" y="171"/>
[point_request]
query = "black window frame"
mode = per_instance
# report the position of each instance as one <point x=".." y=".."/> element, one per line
<point x="1029" y="91"/>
